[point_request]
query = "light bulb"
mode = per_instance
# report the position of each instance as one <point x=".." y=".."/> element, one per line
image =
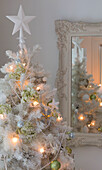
<point x="59" y="119"/>
<point x="1" y="116"/>
<point x="81" y="117"/>
<point x="42" y="150"/>
<point x="38" y="88"/>
<point x="100" y="103"/>
<point x="93" y="123"/>
<point x="11" y="67"/>
<point x="100" y="85"/>
<point x="90" y="86"/>
<point x="34" y="104"/>
<point x="15" y="140"/>
<point x="88" y="125"/>
<point x="20" y="52"/>
<point x="24" y="64"/>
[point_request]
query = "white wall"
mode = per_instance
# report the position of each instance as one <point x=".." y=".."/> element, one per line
<point x="43" y="28"/>
<point x="88" y="158"/>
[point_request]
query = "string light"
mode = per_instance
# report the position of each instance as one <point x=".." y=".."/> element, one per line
<point x="38" y="88"/>
<point x="34" y="104"/>
<point x="42" y="150"/>
<point x="93" y="123"/>
<point x="2" y="116"/>
<point x="88" y="125"/>
<point x="15" y="139"/>
<point x="81" y="117"/>
<point x="20" y="52"/>
<point x="24" y="64"/>
<point x="10" y="68"/>
<point x="90" y="86"/>
<point x="100" y="85"/>
<point x="100" y="103"/>
<point x="59" y="119"/>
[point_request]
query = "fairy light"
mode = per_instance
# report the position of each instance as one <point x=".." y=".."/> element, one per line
<point x="88" y="125"/>
<point x="100" y="85"/>
<point x="38" y="88"/>
<point x="20" y="52"/>
<point x="59" y="119"/>
<point x="90" y="86"/>
<point x="15" y="140"/>
<point x="81" y="117"/>
<point x="93" y="123"/>
<point x="42" y="150"/>
<point x="2" y="117"/>
<point x="100" y="103"/>
<point x="34" y="104"/>
<point x="10" y="68"/>
<point x="24" y="64"/>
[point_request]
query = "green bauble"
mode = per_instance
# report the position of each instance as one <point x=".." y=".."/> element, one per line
<point x="55" y="165"/>
<point x="69" y="150"/>
<point x="93" y="96"/>
<point x="100" y="129"/>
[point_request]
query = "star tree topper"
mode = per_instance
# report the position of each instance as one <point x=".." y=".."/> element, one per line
<point x="21" y="23"/>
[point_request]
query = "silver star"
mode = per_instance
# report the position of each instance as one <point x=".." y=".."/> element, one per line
<point x="21" y="21"/>
<point x="77" y="41"/>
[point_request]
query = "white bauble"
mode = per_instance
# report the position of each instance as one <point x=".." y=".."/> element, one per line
<point x="76" y="110"/>
<point x="9" y="53"/>
<point x="2" y="98"/>
<point x="45" y="79"/>
<point x="85" y="129"/>
<point x="85" y="97"/>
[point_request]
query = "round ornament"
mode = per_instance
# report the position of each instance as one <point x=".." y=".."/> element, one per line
<point x="20" y="124"/>
<point x="44" y="79"/>
<point x="93" y="97"/>
<point x="85" y="129"/>
<point x="18" y="61"/>
<point x="69" y="150"/>
<point x="100" y="129"/>
<point x="76" y="110"/>
<point x="55" y="165"/>
<point x="85" y="97"/>
<point x="71" y="135"/>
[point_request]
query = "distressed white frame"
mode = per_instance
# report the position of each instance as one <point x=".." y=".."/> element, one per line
<point x="65" y="30"/>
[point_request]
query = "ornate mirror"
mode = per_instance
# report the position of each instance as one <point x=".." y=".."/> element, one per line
<point x="79" y="79"/>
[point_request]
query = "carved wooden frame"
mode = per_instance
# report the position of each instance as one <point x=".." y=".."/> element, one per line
<point x="65" y="30"/>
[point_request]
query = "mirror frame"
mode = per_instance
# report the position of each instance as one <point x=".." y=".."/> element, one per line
<point x="65" y="30"/>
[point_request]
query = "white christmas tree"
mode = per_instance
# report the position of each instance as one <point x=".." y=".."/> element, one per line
<point x="33" y="135"/>
<point x="84" y="98"/>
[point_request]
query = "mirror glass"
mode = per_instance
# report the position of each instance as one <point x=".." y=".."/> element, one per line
<point x="86" y="84"/>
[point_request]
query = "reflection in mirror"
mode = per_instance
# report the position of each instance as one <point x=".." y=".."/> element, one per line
<point x="86" y="84"/>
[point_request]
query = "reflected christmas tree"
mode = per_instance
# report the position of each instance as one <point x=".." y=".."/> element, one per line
<point x="85" y="98"/>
